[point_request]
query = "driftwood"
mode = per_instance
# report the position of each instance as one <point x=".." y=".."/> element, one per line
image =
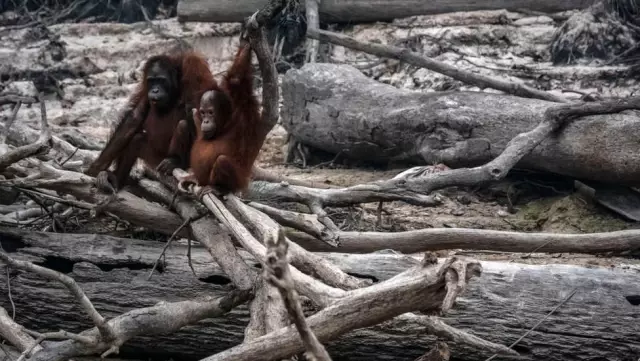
<point x="116" y="300"/>
<point x="598" y="322"/>
<point x="433" y="239"/>
<point x="339" y="11"/>
<point x="42" y="145"/>
<point x="337" y="109"/>
<point x="279" y="275"/>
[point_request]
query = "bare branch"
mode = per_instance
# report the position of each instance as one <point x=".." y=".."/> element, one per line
<point x="424" y="290"/>
<point x="279" y="275"/>
<point x="364" y="193"/>
<point x="516" y="149"/>
<point x="307" y="223"/>
<point x="14" y="333"/>
<point x="260" y="18"/>
<point x="267" y="312"/>
<point x="105" y="331"/>
<point x="66" y="200"/>
<point x="164" y="249"/>
<point x="127" y="206"/>
<point x="258" y="40"/>
<point x="320" y="293"/>
<point x="159" y="319"/>
<point x="413" y="58"/>
<point x="435" y="326"/>
<point x="261" y="174"/>
<point x="42" y="145"/>
<point x="434" y="239"/>
<point x="14" y="115"/>
<point x="217" y="243"/>
<point x="308" y="262"/>
<point x="15" y="98"/>
<point x="60" y="335"/>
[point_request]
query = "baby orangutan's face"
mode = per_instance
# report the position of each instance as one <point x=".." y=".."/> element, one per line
<point x="206" y="112"/>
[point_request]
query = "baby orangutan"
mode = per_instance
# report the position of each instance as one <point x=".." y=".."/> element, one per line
<point x="229" y="131"/>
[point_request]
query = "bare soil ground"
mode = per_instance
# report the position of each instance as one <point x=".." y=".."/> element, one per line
<point x="102" y="62"/>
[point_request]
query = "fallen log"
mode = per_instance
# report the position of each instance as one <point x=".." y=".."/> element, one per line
<point x="433" y="239"/>
<point x="350" y="11"/>
<point x="337" y="109"/>
<point x="599" y="322"/>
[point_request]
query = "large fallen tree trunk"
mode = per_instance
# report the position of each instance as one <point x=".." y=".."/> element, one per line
<point x="337" y="11"/>
<point x="337" y="109"/>
<point x="599" y="322"/>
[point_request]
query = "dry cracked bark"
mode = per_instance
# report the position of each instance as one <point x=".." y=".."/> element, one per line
<point x="351" y="11"/>
<point x="500" y="306"/>
<point x="337" y="109"/>
<point x="346" y="303"/>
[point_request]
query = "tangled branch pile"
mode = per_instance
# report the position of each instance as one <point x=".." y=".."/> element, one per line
<point x="263" y="278"/>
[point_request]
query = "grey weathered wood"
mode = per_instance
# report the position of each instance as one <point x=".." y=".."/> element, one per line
<point x="509" y="298"/>
<point x="434" y="239"/>
<point x="337" y="109"/>
<point x="337" y="11"/>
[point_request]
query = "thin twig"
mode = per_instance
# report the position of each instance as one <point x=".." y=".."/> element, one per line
<point x="436" y="327"/>
<point x="13" y="306"/>
<point x="539" y="322"/>
<point x="536" y="249"/>
<point x="189" y="260"/>
<point x="69" y="157"/>
<point x="261" y="174"/>
<point x="164" y="249"/>
<point x="47" y="210"/>
<point x="69" y="202"/>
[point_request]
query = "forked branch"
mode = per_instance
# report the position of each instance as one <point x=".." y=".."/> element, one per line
<point x="521" y="145"/>
<point x="160" y="319"/>
<point x="416" y="182"/>
<point x="429" y="288"/>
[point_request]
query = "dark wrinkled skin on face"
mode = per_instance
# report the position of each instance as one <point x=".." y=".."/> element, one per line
<point x="162" y="85"/>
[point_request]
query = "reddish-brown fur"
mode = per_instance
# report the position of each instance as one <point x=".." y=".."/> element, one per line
<point x="224" y="161"/>
<point x="157" y="137"/>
